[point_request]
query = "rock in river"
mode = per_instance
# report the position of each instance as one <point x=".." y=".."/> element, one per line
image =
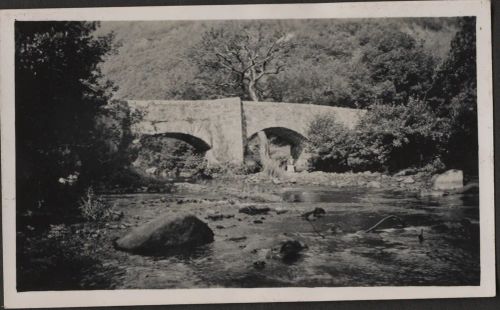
<point x="451" y="179"/>
<point x="290" y="250"/>
<point x="167" y="233"/>
<point x="259" y="265"/>
<point x="252" y="210"/>
<point x="374" y="184"/>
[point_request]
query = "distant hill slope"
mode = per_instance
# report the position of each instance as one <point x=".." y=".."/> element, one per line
<point x="153" y="59"/>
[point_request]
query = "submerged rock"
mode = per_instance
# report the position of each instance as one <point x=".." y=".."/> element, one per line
<point x="253" y="210"/>
<point x="259" y="265"/>
<point x="291" y="249"/>
<point x="215" y="217"/>
<point x="374" y="184"/>
<point x="237" y="239"/>
<point x="450" y="180"/>
<point x="166" y="234"/>
<point x="431" y="193"/>
<point x="280" y="210"/>
<point x="317" y="212"/>
<point x="218" y="217"/>
<point x="276" y="181"/>
<point x="334" y="229"/>
<point x="408" y="180"/>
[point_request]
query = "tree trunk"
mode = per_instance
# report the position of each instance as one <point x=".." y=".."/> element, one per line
<point x="251" y="91"/>
<point x="265" y="157"/>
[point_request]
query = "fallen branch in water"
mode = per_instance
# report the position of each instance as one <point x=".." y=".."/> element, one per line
<point x="382" y="221"/>
<point x="317" y="212"/>
<point x="315" y="230"/>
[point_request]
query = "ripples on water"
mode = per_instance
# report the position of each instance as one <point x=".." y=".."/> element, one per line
<point x="346" y="256"/>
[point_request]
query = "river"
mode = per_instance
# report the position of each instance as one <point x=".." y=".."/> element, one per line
<point x="338" y="253"/>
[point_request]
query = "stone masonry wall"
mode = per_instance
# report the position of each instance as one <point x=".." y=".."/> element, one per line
<point x="294" y="116"/>
<point x="222" y="125"/>
<point x="216" y="122"/>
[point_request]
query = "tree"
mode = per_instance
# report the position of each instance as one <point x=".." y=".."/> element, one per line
<point x="453" y="97"/>
<point x="59" y="93"/>
<point x="355" y="65"/>
<point x="329" y="144"/>
<point x="398" y="67"/>
<point x="387" y="138"/>
<point x="115" y="150"/>
<point x="393" y="137"/>
<point x="237" y="59"/>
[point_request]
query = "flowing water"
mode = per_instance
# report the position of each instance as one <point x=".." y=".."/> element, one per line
<point x="339" y="252"/>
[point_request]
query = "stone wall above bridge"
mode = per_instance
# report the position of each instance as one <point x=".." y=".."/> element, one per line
<point x="294" y="116"/>
<point x="224" y="125"/>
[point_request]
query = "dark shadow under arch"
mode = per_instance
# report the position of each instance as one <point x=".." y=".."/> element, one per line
<point x="290" y="136"/>
<point x="199" y="144"/>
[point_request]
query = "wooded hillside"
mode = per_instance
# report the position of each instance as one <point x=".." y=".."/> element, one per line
<point x="348" y="62"/>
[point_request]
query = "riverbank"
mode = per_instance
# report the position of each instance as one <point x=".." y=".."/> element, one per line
<point x="246" y="247"/>
<point x="406" y="180"/>
<point x="350" y="179"/>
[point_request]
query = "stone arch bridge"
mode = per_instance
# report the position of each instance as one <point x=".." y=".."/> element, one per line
<point x="222" y="127"/>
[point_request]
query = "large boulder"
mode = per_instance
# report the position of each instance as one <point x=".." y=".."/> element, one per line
<point x="450" y="180"/>
<point x="166" y="234"/>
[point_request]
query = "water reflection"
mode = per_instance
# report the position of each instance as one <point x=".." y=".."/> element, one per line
<point x="392" y="255"/>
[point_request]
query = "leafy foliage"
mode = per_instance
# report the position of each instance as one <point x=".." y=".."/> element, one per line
<point x="168" y="157"/>
<point x="393" y="137"/>
<point x="65" y="139"/>
<point x="93" y="208"/>
<point x="388" y="138"/>
<point x="330" y="62"/>
<point x="431" y="123"/>
<point x="421" y="102"/>
<point x="453" y="97"/>
<point x="330" y="144"/>
<point x="236" y="59"/>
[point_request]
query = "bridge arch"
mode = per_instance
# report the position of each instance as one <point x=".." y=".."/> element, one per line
<point x="171" y="154"/>
<point x="226" y="125"/>
<point x="200" y="145"/>
<point x="281" y="137"/>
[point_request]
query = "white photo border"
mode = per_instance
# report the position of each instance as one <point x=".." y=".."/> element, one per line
<point x="479" y="8"/>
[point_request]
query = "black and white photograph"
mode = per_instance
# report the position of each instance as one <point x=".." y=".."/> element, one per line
<point x="214" y="153"/>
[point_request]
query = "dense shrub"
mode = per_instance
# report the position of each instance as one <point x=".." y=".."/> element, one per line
<point x="60" y="259"/>
<point x="387" y="138"/>
<point x="453" y="97"/>
<point x="128" y="180"/>
<point x="432" y="134"/>
<point x="69" y="133"/>
<point x="330" y="144"/>
<point x="393" y="137"/>
<point x="169" y="157"/>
